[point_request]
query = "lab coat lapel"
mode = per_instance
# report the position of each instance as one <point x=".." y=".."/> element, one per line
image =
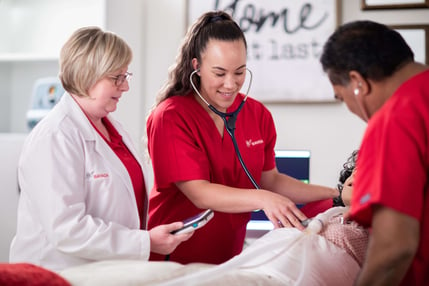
<point x="100" y="146"/>
<point x="114" y="162"/>
<point x="128" y="142"/>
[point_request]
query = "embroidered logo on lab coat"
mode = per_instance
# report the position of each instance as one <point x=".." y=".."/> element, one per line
<point x="96" y="175"/>
<point x="102" y="175"/>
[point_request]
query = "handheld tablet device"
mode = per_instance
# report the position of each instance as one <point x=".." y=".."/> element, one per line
<point x="195" y="222"/>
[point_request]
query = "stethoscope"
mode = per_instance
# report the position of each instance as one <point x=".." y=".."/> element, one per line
<point x="230" y="124"/>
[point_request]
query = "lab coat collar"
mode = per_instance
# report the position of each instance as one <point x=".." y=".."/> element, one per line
<point x="100" y="146"/>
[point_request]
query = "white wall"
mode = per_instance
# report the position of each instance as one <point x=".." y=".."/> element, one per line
<point x="128" y="19"/>
<point x="10" y="149"/>
<point x="32" y="34"/>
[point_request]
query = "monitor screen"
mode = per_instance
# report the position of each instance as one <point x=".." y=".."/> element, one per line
<point x="295" y="163"/>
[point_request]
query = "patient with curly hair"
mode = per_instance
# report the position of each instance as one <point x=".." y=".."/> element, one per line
<point x="330" y="251"/>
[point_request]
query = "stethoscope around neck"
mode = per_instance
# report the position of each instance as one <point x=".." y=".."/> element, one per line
<point x="229" y="119"/>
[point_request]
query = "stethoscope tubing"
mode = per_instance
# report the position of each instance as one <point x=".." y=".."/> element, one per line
<point x="230" y="124"/>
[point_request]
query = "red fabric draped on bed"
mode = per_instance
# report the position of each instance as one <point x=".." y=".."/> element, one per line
<point x="314" y="208"/>
<point x="27" y="274"/>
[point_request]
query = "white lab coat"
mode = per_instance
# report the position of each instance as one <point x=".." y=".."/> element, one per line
<point x="77" y="203"/>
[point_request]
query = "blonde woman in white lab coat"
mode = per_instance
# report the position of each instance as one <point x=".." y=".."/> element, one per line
<point x="83" y="190"/>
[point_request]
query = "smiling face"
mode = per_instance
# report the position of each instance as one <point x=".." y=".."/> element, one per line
<point x="222" y="72"/>
<point x="103" y="96"/>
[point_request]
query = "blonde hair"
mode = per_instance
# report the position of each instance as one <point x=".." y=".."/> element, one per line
<point x="89" y="55"/>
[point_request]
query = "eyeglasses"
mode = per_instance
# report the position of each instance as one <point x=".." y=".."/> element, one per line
<point x="119" y="79"/>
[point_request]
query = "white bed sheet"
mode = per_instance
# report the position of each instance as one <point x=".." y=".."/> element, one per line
<point x="133" y="273"/>
<point x="284" y="256"/>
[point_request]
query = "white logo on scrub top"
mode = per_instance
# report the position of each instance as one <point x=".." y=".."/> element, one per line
<point x="251" y="143"/>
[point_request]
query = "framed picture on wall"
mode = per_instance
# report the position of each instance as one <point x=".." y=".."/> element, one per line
<point x="285" y="39"/>
<point x="394" y="4"/>
<point x="417" y="37"/>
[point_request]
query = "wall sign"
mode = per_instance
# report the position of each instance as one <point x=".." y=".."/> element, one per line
<point x="285" y="39"/>
<point x="417" y="37"/>
<point x="394" y="4"/>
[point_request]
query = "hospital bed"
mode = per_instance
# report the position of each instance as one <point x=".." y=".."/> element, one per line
<point x="282" y="257"/>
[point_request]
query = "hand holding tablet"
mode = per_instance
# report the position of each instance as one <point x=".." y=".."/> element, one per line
<point x="195" y="222"/>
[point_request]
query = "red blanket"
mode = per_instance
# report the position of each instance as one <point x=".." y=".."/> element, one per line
<point x="25" y="274"/>
<point x="314" y="208"/>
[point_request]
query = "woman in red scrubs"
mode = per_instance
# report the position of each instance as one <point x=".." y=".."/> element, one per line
<point x="194" y="160"/>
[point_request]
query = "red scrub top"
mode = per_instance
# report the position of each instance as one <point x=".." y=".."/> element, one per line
<point x="185" y="144"/>
<point x="393" y="166"/>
